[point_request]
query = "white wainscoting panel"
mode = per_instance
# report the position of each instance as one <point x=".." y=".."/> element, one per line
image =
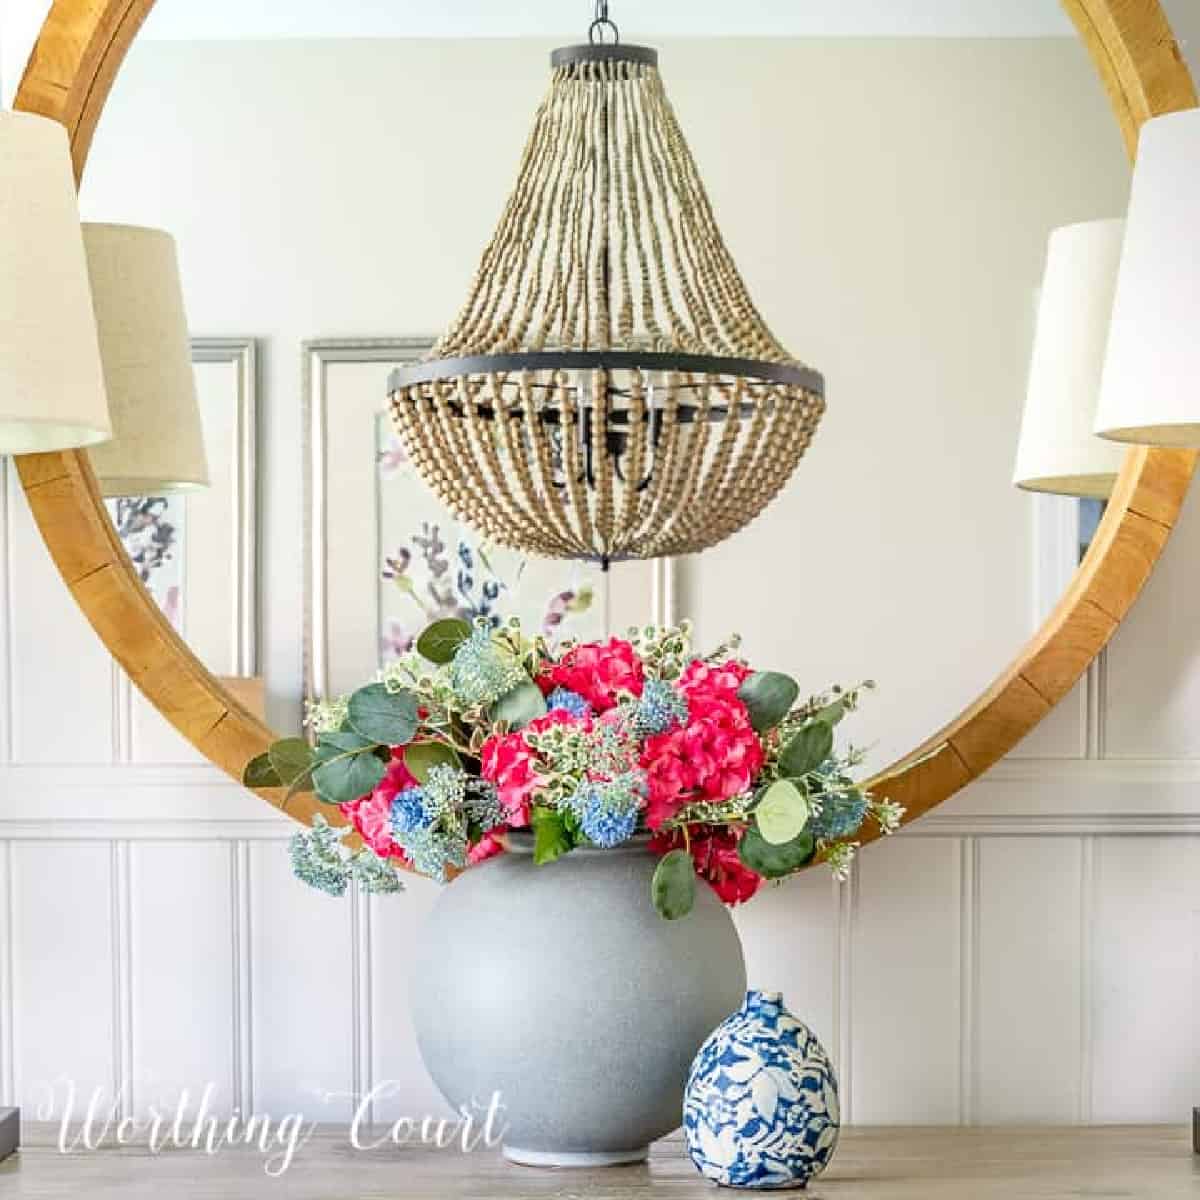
<point x="67" y="995"/>
<point x="906" y="1007"/>
<point x="1146" y="954"/>
<point x="185" y="1028"/>
<point x="1026" y="987"/>
<point x="304" y="951"/>
<point x="8" y="1088"/>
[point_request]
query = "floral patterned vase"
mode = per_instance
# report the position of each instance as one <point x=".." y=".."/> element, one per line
<point x="761" y="1108"/>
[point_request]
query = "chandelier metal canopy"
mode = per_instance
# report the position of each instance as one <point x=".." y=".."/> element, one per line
<point x="609" y="390"/>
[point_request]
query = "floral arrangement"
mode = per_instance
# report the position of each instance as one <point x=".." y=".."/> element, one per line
<point x="482" y="731"/>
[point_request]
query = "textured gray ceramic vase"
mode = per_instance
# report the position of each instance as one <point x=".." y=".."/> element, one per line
<point x="561" y="988"/>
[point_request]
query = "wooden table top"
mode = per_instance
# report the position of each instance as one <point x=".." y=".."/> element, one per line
<point x="871" y="1164"/>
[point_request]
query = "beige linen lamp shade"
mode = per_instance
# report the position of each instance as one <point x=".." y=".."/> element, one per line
<point x="1058" y="451"/>
<point x="51" y="382"/>
<point x="158" y="442"/>
<point x="1151" y="386"/>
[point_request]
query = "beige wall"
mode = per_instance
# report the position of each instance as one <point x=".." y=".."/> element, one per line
<point x="888" y="203"/>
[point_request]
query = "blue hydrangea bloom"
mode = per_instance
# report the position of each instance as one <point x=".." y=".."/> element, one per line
<point x="660" y="708"/>
<point x="608" y="812"/>
<point x="840" y="816"/>
<point x="606" y="825"/>
<point x="569" y="701"/>
<point x="577" y="801"/>
<point x="410" y="813"/>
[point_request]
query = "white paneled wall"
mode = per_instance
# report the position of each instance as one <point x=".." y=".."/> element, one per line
<point x="1028" y="952"/>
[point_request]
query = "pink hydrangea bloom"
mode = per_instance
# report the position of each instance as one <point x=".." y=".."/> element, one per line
<point x="714" y="756"/>
<point x="714" y="851"/>
<point x="487" y="847"/>
<point x="713" y="679"/>
<point x="600" y="672"/>
<point x="511" y="764"/>
<point x="371" y="815"/>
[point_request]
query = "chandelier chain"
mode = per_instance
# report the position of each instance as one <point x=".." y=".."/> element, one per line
<point x="602" y="22"/>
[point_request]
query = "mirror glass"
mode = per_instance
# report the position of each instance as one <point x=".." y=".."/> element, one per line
<point x="332" y="175"/>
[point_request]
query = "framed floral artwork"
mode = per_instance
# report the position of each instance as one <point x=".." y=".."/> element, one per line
<point x="384" y="557"/>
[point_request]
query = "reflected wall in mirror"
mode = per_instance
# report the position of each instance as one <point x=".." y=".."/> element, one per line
<point x="197" y="552"/>
<point x="888" y="203"/>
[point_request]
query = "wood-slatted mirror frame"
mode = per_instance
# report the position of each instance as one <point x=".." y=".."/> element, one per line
<point x="72" y="68"/>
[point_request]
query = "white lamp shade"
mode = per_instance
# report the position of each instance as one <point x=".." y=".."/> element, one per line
<point x="158" y="443"/>
<point x="1151" y="387"/>
<point x="51" y="382"/>
<point x="1058" y="451"/>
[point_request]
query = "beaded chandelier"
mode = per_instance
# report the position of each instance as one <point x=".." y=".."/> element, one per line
<point x="609" y="390"/>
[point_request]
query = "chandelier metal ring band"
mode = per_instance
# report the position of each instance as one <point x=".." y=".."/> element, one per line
<point x="794" y="374"/>
<point x="78" y="55"/>
<point x="596" y="52"/>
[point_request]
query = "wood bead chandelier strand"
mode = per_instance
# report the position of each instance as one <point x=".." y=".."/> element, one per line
<point x="609" y="390"/>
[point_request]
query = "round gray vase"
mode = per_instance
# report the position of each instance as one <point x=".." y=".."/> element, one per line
<point x="560" y="988"/>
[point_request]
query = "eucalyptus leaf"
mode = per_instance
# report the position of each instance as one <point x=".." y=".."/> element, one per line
<point x="782" y="813"/>
<point x="421" y="757"/>
<point x="291" y="758"/>
<point x="768" y="696"/>
<point x="832" y="713"/>
<point x="348" y="777"/>
<point x="550" y="837"/>
<point x="259" y="773"/>
<point x="302" y="783"/>
<point x="774" y="862"/>
<point x="673" y="888"/>
<point x="333" y="745"/>
<point x="441" y="640"/>
<point x="523" y="704"/>
<point x="811" y="746"/>
<point x="383" y="716"/>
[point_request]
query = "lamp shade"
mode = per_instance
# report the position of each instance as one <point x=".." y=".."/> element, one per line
<point x="1058" y="451"/>
<point x="158" y="443"/>
<point x="51" y="382"/>
<point x="1151" y="387"/>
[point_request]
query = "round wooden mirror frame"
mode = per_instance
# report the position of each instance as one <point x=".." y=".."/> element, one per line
<point x="70" y="73"/>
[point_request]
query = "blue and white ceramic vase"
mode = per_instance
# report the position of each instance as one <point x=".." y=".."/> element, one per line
<point x="761" y="1108"/>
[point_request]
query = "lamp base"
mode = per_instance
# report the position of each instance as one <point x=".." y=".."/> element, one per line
<point x="10" y="1131"/>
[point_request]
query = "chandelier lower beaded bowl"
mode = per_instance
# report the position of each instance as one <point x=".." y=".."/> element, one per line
<point x="626" y="460"/>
